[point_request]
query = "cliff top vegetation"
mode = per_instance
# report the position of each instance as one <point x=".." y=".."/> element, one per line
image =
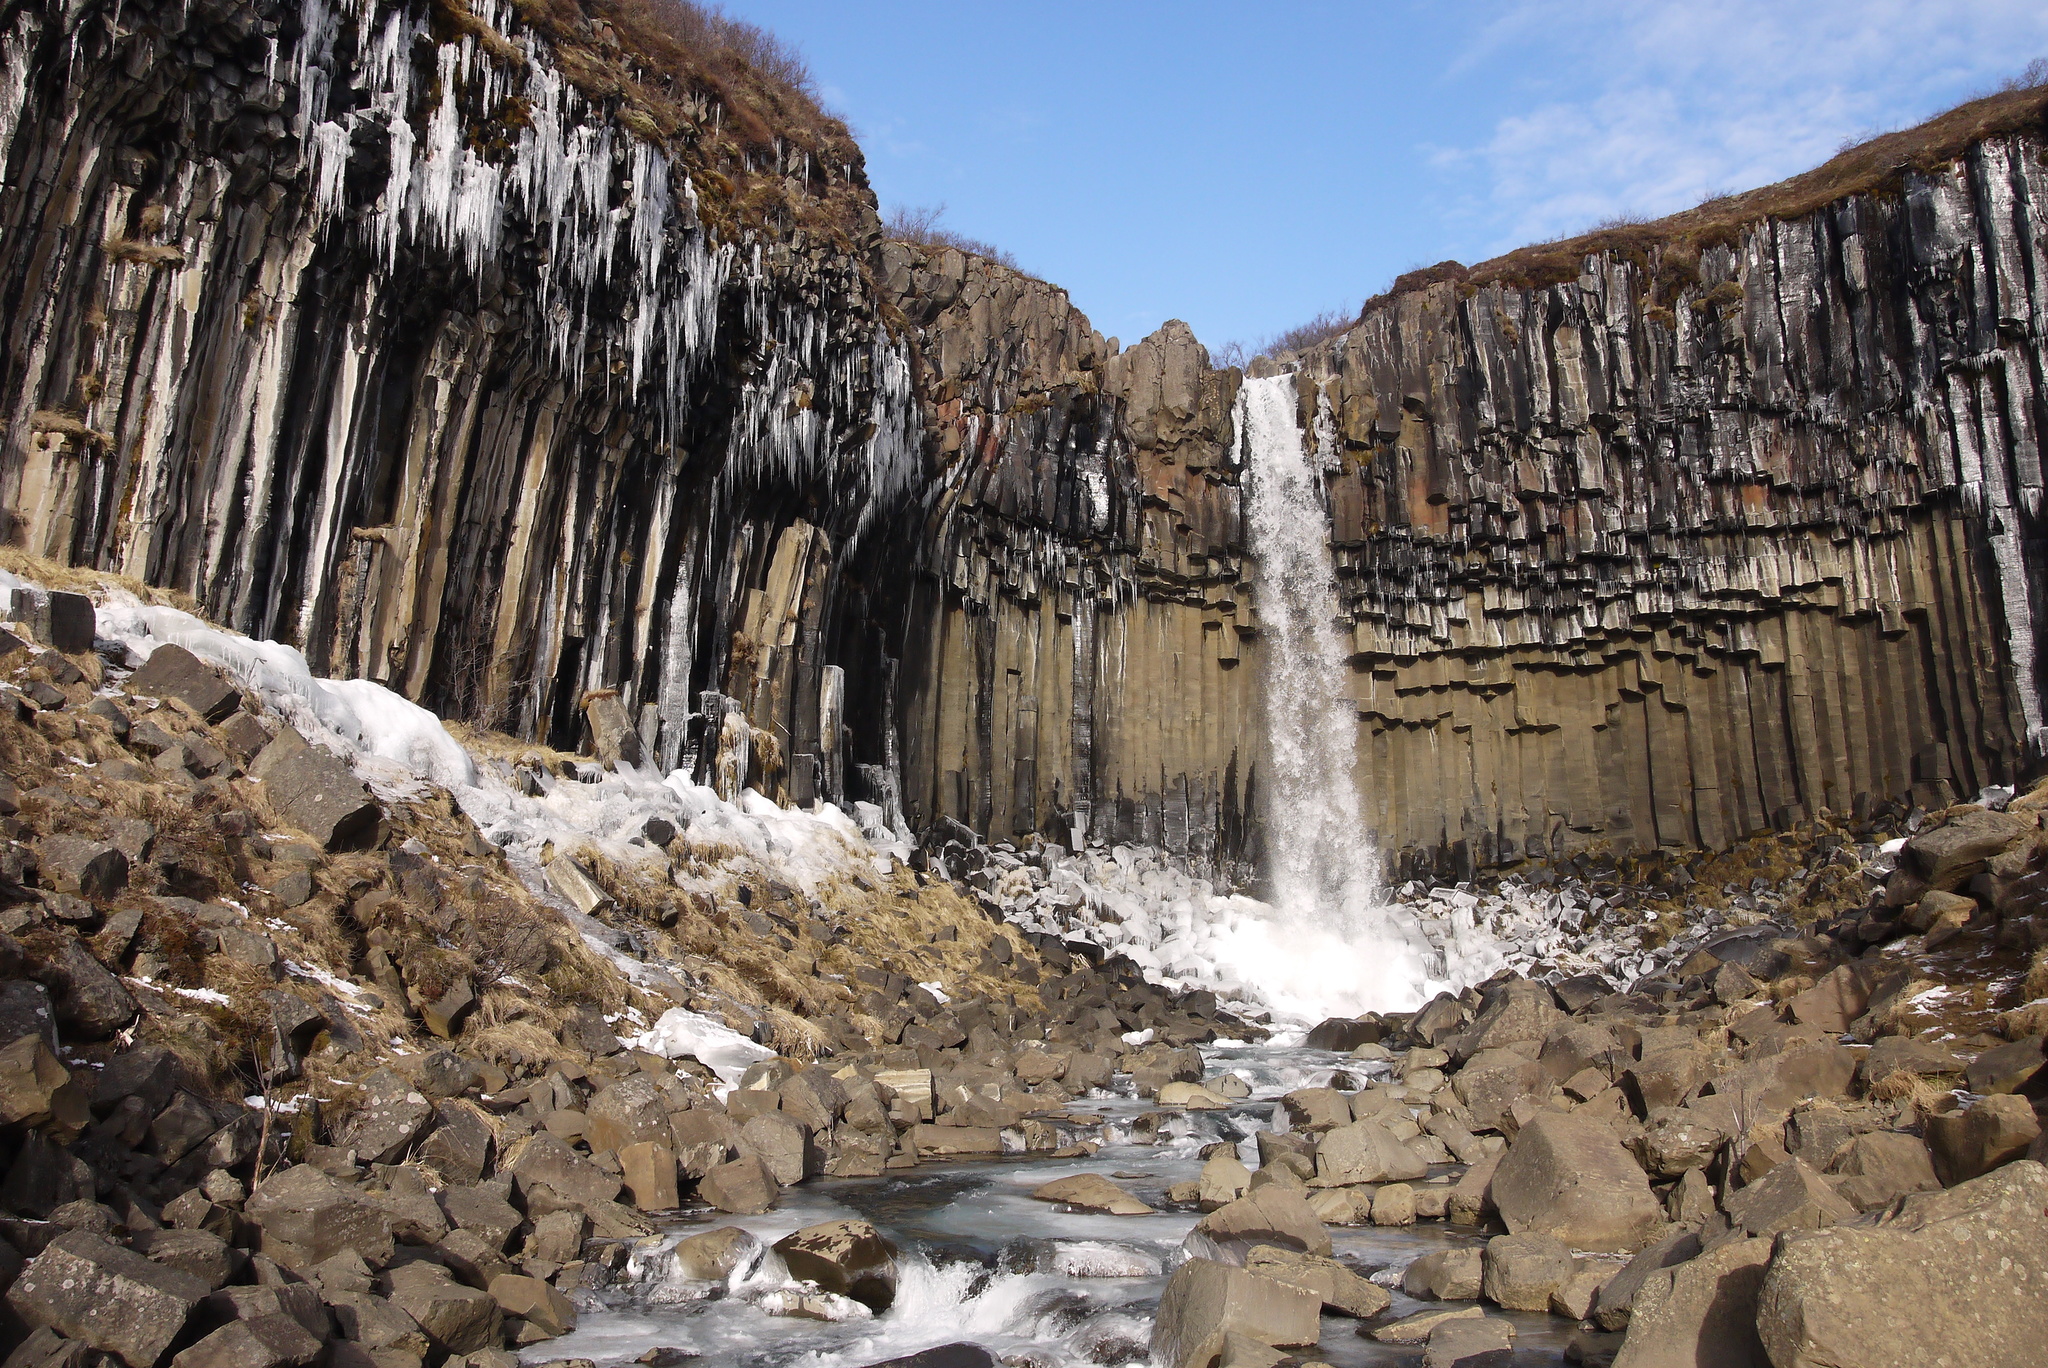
<point x="1876" y="165"/>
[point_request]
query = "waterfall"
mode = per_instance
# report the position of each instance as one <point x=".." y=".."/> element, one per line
<point x="1336" y="940"/>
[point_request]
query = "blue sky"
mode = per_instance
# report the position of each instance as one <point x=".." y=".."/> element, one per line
<point x="1245" y="167"/>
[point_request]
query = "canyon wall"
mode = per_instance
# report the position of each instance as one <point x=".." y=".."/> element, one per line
<point x="1703" y="541"/>
<point x="463" y="350"/>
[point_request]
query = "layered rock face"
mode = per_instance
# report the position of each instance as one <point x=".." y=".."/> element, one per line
<point x="1697" y="543"/>
<point x="398" y="346"/>
<point x="378" y="334"/>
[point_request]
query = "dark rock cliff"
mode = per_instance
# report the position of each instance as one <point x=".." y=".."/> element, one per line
<point x="424" y="339"/>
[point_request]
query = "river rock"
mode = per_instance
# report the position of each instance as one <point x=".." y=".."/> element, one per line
<point x="742" y="1186"/>
<point x="850" y="1258"/>
<point x="1484" y="1343"/>
<point x="1091" y="1192"/>
<point x="1569" y="1177"/>
<point x="1446" y="1275"/>
<point x="1269" y="1215"/>
<point x="1365" y="1152"/>
<point x="1959" y="1272"/>
<point x="1341" y="1290"/>
<point x="1205" y="1300"/>
<point x="1521" y="1271"/>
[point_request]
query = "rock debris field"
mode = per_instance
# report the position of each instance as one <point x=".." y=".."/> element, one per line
<point x="300" y="1069"/>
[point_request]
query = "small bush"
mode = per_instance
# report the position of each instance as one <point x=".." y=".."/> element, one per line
<point x="921" y="226"/>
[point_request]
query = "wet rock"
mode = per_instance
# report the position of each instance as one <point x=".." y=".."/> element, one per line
<point x="1223" y="1180"/>
<point x="1417" y="1329"/>
<point x="717" y="1254"/>
<point x="1521" y="1271"/>
<point x="1091" y="1192"/>
<point x="1311" y="1111"/>
<point x="742" y="1186"/>
<point x="849" y="1258"/>
<point x="1343" y="1034"/>
<point x="649" y="1170"/>
<point x="1570" y="1177"/>
<point x="941" y="1141"/>
<point x="1446" y="1275"/>
<point x="959" y="1355"/>
<point x="1204" y="1301"/>
<point x="1703" y="1311"/>
<point x="1961" y="1269"/>
<point x="1270" y="1215"/>
<point x="1341" y="1290"/>
<point x="1482" y="1343"/>
<point x="89" y="1289"/>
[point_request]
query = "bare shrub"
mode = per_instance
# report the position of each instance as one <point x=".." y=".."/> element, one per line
<point x="922" y="226"/>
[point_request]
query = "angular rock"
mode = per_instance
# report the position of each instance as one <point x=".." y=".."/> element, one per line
<point x="535" y="1302"/>
<point x="1611" y="1309"/>
<point x="1703" y="1311"/>
<point x="1790" y="1197"/>
<point x="270" y="1341"/>
<point x="390" y="1117"/>
<point x="1204" y="1301"/>
<point x="1483" y="1343"/>
<point x="307" y="1218"/>
<point x="649" y="1169"/>
<point x="174" y="672"/>
<point x="1957" y="1272"/>
<point x="1341" y="1290"/>
<point x="1365" y="1152"/>
<point x="1869" y="1171"/>
<point x="1446" y="1275"/>
<point x="88" y="1000"/>
<point x="315" y="792"/>
<point x="1091" y="1192"/>
<point x="1521" y="1271"/>
<point x="1969" y="1143"/>
<point x="1417" y="1329"/>
<point x="1570" y="1177"/>
<point x="849" y="1258"/>
<point x="542" y="1160"/>
<point x="1394" y="1205"/>
<point x="741" y="1186"/>
<point x="89" y="1289"/>
<point x="455" y="1319"/>
<point x="1269" y="1215"/>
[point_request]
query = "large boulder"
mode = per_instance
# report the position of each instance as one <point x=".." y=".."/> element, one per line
<point x="267" y="1341"/>
<point x="306" y="1218"/>
<point x="1446" y="1275"/>
<point x="542" y="1160"/>
<point x="850" y="1258"/>
<point x="317" y="793"/>
<point x="1945" y="856"/>
<point x="1961" y="1273"/>
<point x="1271" y="1215"/>
<point x="89" y="1289"/>
<point x="1491" y="1081"/>
<point x="1702" y="1311"/>
<point x="1789" y="1197"/>
<point x="1366" y="1152"/>
<point x="1969" y="1143"/>
<point x="1869" y="1171"/>
<point x="1342" y="1290"/>
<point x="1521" y="1271"/>
<point x="1091" y="1192"/>
<point x="1569" y="1176"/>
<point x="174" y="672"/>
<point x="457" y="1319"/>
<point x="1205" y="1300"/>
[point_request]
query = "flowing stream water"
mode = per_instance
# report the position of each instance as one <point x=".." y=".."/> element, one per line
<point x="981" y="1261"/>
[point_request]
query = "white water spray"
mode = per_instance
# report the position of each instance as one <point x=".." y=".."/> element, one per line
<point x="1334" y="939"/>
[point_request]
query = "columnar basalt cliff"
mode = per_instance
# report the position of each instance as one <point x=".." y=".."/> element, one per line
<point x="1705" y="540"/>
<point x="466" y="351"/>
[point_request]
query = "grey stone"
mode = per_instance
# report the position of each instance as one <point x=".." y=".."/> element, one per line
<point x="92" y="1290"/>
<point x="315" y="792"/>
<point x="174" y="672"/>
<point x="1521" y="1271"/>
<point x="1570" y="1177"/>
<point x="849" y="1257"/>
<point x="1703" y="1311"/>
<point x="1205" y="1300"/>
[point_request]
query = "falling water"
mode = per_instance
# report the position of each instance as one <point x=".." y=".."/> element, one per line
<point x="1335" y="941"/>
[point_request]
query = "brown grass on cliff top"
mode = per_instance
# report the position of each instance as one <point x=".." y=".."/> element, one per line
<point x="1876" y="166"/>
<point x="922" y="226"/>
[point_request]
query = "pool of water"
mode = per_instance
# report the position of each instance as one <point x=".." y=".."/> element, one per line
<point x="980" y="1260"/>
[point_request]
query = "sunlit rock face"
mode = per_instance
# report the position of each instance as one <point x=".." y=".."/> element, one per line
<point x="404" y="341"/>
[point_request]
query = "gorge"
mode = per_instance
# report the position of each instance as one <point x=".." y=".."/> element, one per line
<point x="557" y="683"/>
<point x="421" y="357"/>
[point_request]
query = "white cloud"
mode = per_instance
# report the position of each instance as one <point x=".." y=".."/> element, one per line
<point x="1646" y="108"/>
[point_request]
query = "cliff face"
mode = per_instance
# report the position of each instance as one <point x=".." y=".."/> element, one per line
<point x="1698" y="543"/>
<point x="401" y="347"/>
<point x="417" y="337"/>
